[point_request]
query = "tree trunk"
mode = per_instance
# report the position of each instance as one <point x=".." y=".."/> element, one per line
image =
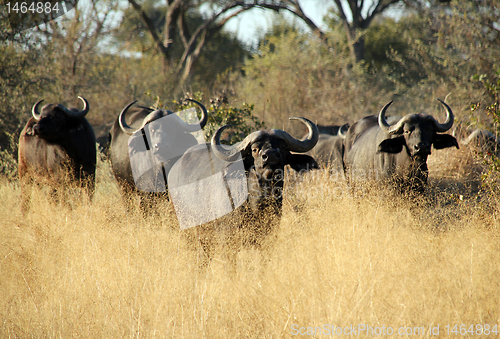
<point x="357" y="48"/>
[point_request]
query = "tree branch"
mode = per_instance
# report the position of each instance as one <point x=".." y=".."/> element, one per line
<point x="151" y="28"/>
<point x="295" y="9"/>
<point x="171" y="18"/>
<point x="343" y="17"/>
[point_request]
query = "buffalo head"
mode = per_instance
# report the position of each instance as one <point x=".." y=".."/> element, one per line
<point x="167" y="139"/>
<point x="416" y="133"/>
<point x="411" y="139"/>
<point x="56" y="120"/>
<point x="265" y="154"/>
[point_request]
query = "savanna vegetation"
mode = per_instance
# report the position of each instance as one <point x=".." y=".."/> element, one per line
<point x="80" y="268"/>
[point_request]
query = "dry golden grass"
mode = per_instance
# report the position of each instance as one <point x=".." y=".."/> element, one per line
<point x="99" y="271"/>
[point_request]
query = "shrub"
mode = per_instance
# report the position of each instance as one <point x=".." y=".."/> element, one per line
<point x="220" y="113"/>
<point x="491" y="177"/>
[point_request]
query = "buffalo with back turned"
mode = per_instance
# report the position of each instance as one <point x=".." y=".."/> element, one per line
<point x="164" y="134"/>
<point x="263" y="156"/>
<point x="57" y="146"/>
<point x="395" y="154"/>
<point x="329" y="150"/>
<point x="479" y="140"/>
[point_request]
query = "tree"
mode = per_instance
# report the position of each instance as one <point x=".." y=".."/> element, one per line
<point x="356" y="17"/>
<point x="17" y="83"/>
<point x="193" y="39"/>
<point x="220" y="53"/>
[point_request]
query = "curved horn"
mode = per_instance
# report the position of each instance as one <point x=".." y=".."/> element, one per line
<point x="121" y="120"/>
<point x="293" y="144"/>
<point x="449" y="119"/>
<point x="203" y="121"/>
<point x="34" y="110"/>
<point x="232" y="154"/>
<point x="78" y="114"/>
<point x="342" y="132"/>
<point x="296" y="145"/>
<point x="383" y="123"/>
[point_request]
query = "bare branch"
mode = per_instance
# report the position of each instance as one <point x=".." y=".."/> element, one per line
<point x="342" y="14"/>
<point x="171" y="19"/>
<point x="294" y="8"/>
<point x="151" y="27"/>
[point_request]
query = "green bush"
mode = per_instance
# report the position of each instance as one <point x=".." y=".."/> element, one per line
<point x="491" y="176"/>
<point x="220" y="113"/>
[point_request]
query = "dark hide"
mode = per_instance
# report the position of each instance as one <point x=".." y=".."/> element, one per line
<point x="399" y="160"/>
<point x="328" y="152"/>
<point x="58" y="150"/>
<point x="119" y="152"/>
<point x="253" y="222"/>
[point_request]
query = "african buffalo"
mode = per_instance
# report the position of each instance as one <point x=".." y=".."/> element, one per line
<point x="57" y="146"/>
<point x="166" y="139"/>
<point x="482" y="140"/>
<point x="329" y="150"/>
<point x="263" y="156"/>
<point x="378" y="151"/>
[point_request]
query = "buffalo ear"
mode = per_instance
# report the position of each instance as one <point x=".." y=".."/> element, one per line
<point x="444" y="141"/>
<point x="394" y="145"/>
<point x="302" y="162"/>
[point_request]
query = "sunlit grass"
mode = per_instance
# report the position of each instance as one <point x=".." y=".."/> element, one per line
<point x="99" y="270"/>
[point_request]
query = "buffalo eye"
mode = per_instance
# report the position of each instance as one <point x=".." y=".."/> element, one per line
<point x="409" y="130"/>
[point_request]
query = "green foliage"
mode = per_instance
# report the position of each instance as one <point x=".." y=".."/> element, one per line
<point x="382" y="39"/>
<point x="295" y="74"/>
<point x="132" y="34"/>
<point x="448" y="44"/>
<point x="242" y="120"/>
<point x="220" y="113"/>
<point x="221" y="52"/>
<point x="19" y="82"/>
<point x="491" y="177"/>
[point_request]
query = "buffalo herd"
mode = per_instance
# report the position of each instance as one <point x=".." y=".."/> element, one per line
<point x="58" y="146"/>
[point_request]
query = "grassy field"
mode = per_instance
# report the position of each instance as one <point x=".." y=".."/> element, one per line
<point x="96" y="270"/>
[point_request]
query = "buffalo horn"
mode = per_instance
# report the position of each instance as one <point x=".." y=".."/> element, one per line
<point x="449" y="119"/>
<point x="187" y="127"/>
<point x="385" y="126"/>
<point x="34" y="110"/>
<point x="77" y="114"/>
<point x="203" y="121"/>
<point x="232" y="154"/>
<point x="293" y="144"/>
<point x="121" y="120"/>
<point x="296" y="145"/>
